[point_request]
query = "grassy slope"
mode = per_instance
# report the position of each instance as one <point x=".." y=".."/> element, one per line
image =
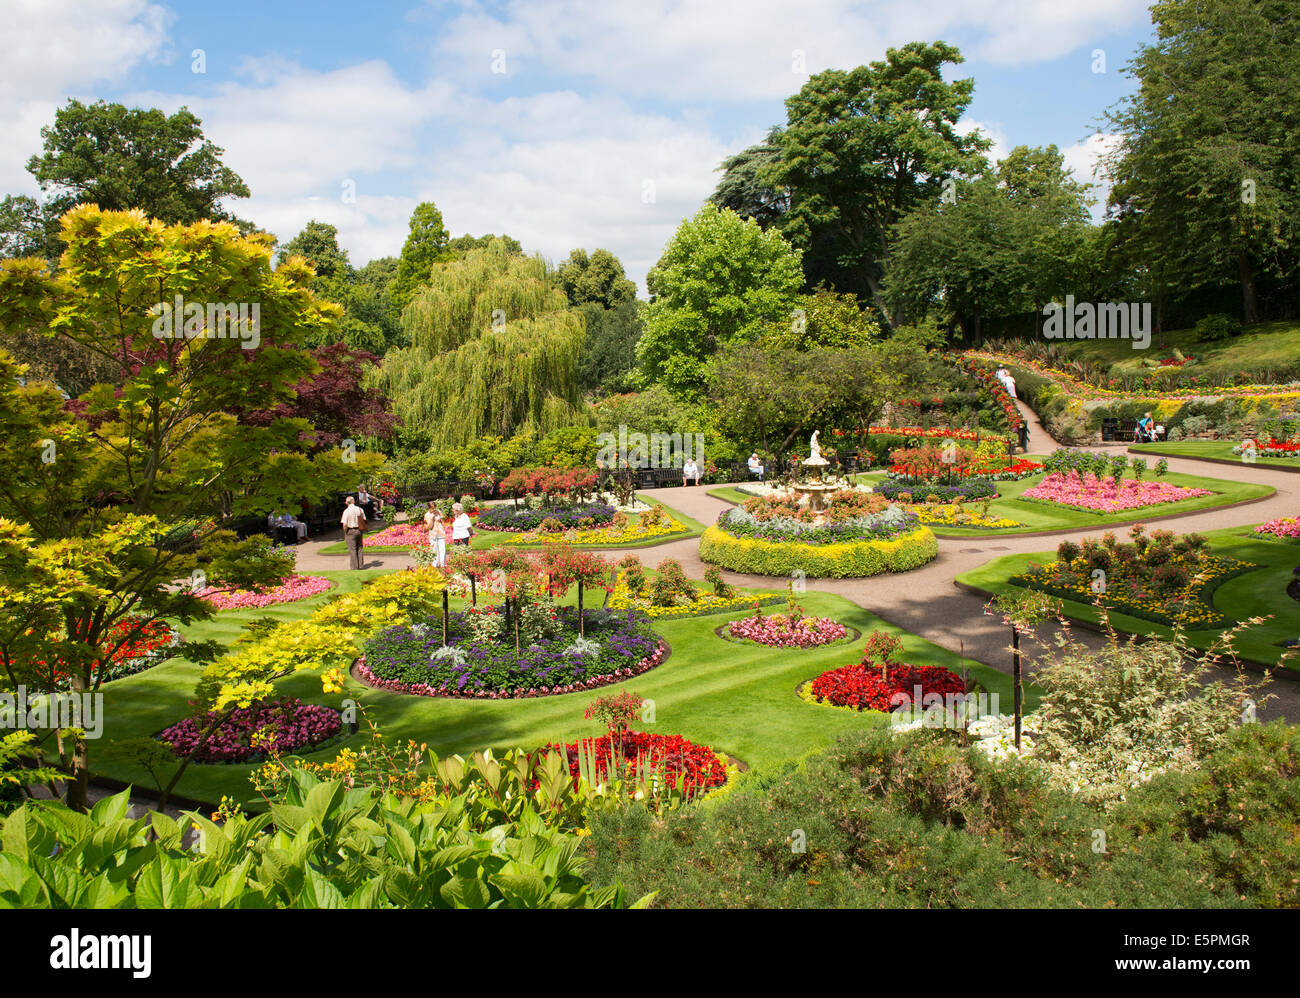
<point x="1260" y="347"/>
<point x="1257" y="593"/>
<point x="739" y="699"/>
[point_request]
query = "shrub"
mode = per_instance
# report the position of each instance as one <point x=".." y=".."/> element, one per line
<point x="853" y="559"/>
<point x="670" y="584"/>
<point x="721" y="587"/>
<point x="1216" y="327"/>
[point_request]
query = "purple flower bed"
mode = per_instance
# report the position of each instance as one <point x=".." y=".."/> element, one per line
<point x="509" y="518"/>
<point x="295" y="726"/>
<point x="619" y="644"/>
<point x="364" y="673"/>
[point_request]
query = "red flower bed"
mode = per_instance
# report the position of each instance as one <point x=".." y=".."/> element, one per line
<point x="693" y="768"/>
<point x="131" y="645"/>
<point x="862" y="687"/>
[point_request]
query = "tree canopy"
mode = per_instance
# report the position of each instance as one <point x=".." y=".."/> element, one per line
<point x="493" y="349"/>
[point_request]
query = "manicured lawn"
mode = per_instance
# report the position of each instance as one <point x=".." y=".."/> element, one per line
<point x="1212" y="450"/>
<point x="739" y="699"/>
<point x="492" y="538"/>
<point x="1038" y="516"/>
<point x="1253" y="594"/>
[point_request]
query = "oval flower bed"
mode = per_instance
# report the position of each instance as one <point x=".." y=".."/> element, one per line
<point x="507" y="517"/>
<point x="863" y="686"/>
<point x="1102" y="496"/>
<point x="1286" y="528"/>
<point x="288" y="726"/>
<point x="780" y="630"/>
<point x="691" y="767"/>
<point x="291" y="590"/>
<point x="413" y="659"/>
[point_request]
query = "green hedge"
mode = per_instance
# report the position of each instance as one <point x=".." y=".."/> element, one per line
<point x="820" y="561"/>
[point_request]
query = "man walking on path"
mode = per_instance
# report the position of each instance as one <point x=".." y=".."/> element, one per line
<point x="354" y="523"/>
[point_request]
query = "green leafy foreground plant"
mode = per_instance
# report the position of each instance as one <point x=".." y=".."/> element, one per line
<point x="323" y="844"/>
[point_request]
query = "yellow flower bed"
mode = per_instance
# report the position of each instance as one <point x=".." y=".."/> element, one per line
<point x="705" y="602"/>
<point x="850" y="560"/>
<point x="953" y="515"/>
<point x="631" y="534"/>
<point x="327" y="640"/>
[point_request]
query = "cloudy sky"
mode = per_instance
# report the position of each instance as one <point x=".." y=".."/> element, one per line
<point x="562" y="122"/>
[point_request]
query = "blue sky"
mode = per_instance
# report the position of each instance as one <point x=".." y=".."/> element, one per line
<point x="563" y="122"/>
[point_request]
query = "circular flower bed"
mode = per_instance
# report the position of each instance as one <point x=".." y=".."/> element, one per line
<point x="477" y="665"/>
<point x="285" y="726"/>
<point x="863" y="686"/>
<point x="781" y="630"/>
<point x="690" y="767"/>
<point x="582" y="517"/>
<point x="856" y="535"/>
<point x="291" y="590"/>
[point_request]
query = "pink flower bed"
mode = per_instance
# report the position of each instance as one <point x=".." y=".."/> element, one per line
<point x="292" y="725"/>
<point x="1101" y="496"/>
<point x="408" y="534"/>
<point x="362" y="672"/>
<point x="781" y="631"/>
<point x="292" y="589"/>
<point x="1287" y="528"/>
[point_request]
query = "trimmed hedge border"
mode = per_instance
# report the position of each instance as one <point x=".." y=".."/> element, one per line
<point x="857" y="559"/>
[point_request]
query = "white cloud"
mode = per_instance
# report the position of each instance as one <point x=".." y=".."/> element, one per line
<point x="744" y="50"/>
<point x="51" y="50"/>
<point x="1083" y="159"/>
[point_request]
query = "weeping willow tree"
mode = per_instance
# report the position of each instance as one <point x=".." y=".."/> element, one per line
<point x="494" y="350"/>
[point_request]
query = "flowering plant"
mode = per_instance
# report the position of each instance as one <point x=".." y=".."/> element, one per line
<point x="1106" y="495"/>
<point x="291" y="590"/>
<point x="253" y="732"/>
<point x="781" y="630"/>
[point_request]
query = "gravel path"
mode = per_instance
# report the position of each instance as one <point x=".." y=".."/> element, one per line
<point x="926" y="601"/>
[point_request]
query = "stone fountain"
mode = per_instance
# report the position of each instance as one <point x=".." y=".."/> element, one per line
<point x="815" y="490"/>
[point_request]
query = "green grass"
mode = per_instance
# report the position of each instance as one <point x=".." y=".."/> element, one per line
<point x="1037" y="516"/>
<point x="493" y="538"/>
<point x="1260" y="348"/>
<point x="740" y="700"/>
<point x="1211" y="450"/>
<point x="1253" y="594"/>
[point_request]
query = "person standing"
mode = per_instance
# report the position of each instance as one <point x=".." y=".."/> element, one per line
<point x="433" y="523"/>
<point x="461" y="530"/>
<point x="354" y="529"/>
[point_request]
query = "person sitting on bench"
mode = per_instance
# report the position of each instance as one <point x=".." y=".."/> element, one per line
<point x="755" y="466"/>
<point x="690" y="470"/>
<point x="1145" y="431"/>
<point x="287" y="520"/>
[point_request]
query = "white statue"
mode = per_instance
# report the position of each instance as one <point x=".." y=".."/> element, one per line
<point x="815" y="447"/>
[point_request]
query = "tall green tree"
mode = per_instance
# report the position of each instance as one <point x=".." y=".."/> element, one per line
<point x="743" y="189"/>
<point x="595" y="278"/>
<point x="1004" y="244"/>
<point x="1206" y="176"/>
<point x="863" y="147"/>
<point x="721" y="279"/>
<point x="119" y="158"/>
<point x="493" y="349"/>
<point x="95" y="486"/>
<point x="425" y="245"/>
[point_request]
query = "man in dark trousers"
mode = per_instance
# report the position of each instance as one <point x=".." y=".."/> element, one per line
<point x="354" y="529"/>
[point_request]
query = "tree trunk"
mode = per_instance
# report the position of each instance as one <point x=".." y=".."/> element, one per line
<point x="581" y="632"/>
<point x="78" y="795"/>
<point x="1249" y="302"/>
<point x="1016" y="688"/>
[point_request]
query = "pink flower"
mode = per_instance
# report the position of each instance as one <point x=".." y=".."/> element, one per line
<point x="292" y="589"/>
<point x="1101" y="496"/>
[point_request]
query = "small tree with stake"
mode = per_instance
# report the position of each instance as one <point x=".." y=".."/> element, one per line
<point x="1022" y="610"/>
<point x="564" y="566"/>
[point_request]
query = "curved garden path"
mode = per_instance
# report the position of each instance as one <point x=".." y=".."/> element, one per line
<point x="925" y="601"/>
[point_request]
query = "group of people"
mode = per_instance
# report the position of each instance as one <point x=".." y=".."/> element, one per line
<point x="443" y="531"/>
